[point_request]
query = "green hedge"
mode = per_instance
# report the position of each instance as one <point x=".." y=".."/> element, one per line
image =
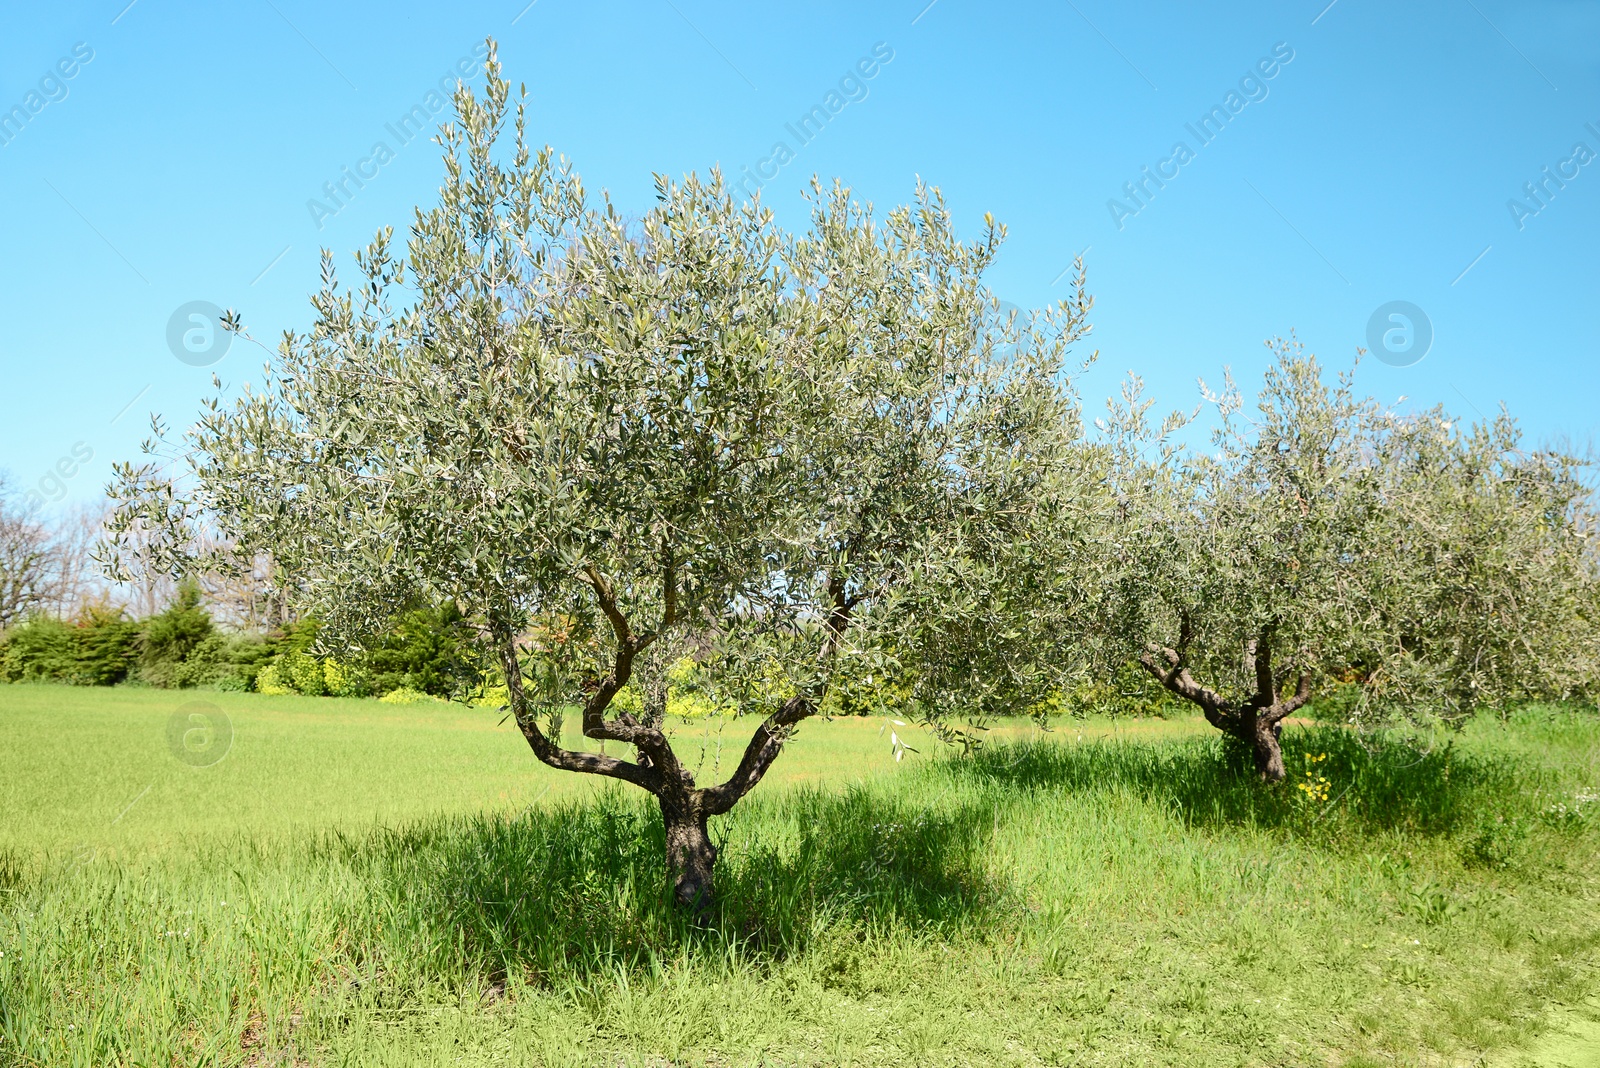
<point x="100" y="651"/>
<point x="428" y="651"/>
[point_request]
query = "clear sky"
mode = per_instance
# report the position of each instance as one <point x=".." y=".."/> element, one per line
<point x="1357" y="154"/>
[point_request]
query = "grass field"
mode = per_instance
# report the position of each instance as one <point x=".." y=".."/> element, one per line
<point x="354" y="883"/>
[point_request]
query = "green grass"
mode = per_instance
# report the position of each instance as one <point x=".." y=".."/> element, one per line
<point x="83" y="756"/>
<point x="362" y="884"/>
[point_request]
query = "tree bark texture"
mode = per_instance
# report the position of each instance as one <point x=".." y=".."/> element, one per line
<point x="691" y="855"/>
<point x="1256" y="721"/>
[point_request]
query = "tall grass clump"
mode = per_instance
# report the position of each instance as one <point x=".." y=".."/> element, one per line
<point x="246" y="941"/>
<point x="1338" y="780"/>
<point x="553" y="896"/>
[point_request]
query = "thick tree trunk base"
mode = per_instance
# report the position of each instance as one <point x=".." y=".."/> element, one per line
<point x="1268" y="752"/>
<point x="691" y="860"/>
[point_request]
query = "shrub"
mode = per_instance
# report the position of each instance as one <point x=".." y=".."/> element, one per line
<point x="205" y="665"/>
<point x="247" y="654"/>
<point x="407" y="696"/>
<point x="98" y="650"/>
<point x="270" y="680"/>
<point x="1129" y="691"/>
<point x="686" y="698"/>
<point x="429" y="650"/>
<point x="491" y="697"/>
<point x="303" y="673"/>
<point x="872" y="693"/>
<point x="39" y="650"/>
<point x="171" y="640"/>
<point x="346" y="678"/>
<point x="179" y="648"/>
<point x="693" y="705"/>
<point x="1492" y="841"/>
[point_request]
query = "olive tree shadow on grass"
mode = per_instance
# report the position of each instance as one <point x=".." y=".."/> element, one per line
<point x="1338" y="780"/>
<point x="565" y="895"/>
<point x="560" y="895"/>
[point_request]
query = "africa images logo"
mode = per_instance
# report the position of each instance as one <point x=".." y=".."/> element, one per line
<point x="416" y="121"/>
<point x="197" y="333"/>
<point x="50" y="89"/>
<point x="1542" y="190"/>
<point x="199" y="734"/>
<point x="1399" y="333"/>
<point x="851" y="88"/>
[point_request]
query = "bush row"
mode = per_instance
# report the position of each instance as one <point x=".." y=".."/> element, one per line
<point x="427" y="653"/>
<point x="423" y="654"/>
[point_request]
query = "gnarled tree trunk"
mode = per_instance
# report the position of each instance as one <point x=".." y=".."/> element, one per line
<point x="1257" y="721"/>
<point x="1264" y="744"/>
<point x="691" y="856"/>
<point x="685" y="809"/>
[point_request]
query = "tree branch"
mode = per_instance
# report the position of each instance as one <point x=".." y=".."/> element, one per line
<point x="546" y="750"/>
<point x="838" y="620"/>
<point x="608" y="604"/>
<point x="1176" y="678"/>
<point x="624" y="728"/>
<point x="764" y="747"/>
<point x="669" y="588"/>
<point x="1258" y="662"/>
<point x="1295" y="701"/>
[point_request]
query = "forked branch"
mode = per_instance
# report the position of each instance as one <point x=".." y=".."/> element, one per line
<point x="549" y="752"/>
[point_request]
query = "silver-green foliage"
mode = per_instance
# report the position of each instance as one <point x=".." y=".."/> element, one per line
<point x="1324" y="537"/>
<point x="1491" y="593"/>
<point x="811" y="459"/>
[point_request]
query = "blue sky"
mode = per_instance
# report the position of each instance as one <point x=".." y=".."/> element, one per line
<point x="1377" y="163"/>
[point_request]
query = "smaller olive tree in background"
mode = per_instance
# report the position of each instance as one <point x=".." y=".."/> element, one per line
<point x="1323" y="537"/>
<point x="1490" y="590"/>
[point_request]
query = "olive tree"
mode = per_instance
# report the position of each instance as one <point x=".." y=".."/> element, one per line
<point x="1324" y="537"/>
<point x="1245" y="568"/>
<point x="1491" y="592"/>
<point x="608" y="441"/>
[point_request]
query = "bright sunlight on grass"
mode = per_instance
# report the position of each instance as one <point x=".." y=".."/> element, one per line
<point x="364" y="883"/>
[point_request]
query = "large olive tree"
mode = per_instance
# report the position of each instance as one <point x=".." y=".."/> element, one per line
<point x="611" y="441"/>
<point x="960" y="514"/>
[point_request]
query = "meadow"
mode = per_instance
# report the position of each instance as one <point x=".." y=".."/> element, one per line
<point x="356" y="883"/>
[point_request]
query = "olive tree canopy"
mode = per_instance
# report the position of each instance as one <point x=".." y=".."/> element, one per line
<point x="1325" y="538"/>
<point x="1491" y="593"/>
<point x="605" y="439"/>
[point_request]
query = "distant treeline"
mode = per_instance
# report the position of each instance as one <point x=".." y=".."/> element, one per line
<point x="425" y="652"/>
